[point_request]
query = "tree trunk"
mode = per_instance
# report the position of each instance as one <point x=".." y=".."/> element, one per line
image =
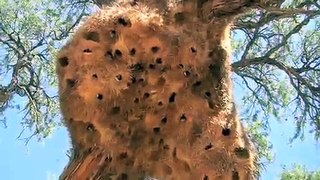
<point x="145" y="92"/>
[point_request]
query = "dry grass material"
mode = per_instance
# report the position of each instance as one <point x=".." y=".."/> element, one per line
<point x="153" y="91"/>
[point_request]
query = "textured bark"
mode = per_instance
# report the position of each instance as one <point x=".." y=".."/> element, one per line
<point x="145" y="92"/>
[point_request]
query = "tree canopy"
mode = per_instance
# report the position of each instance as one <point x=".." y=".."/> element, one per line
<point x="299" y="172"/>
<point x="276" y="55"/>
<point x="277" y="60"/>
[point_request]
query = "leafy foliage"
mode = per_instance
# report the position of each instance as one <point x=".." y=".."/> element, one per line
<point x="263" y="145"/>
<point x="277" y="60"/>
<point x="299" y="172"/>
<point x="30" y="34"/>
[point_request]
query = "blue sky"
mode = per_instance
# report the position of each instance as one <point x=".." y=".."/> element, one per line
<point x="301" y="152"/>
<point x="36" y="161"/>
